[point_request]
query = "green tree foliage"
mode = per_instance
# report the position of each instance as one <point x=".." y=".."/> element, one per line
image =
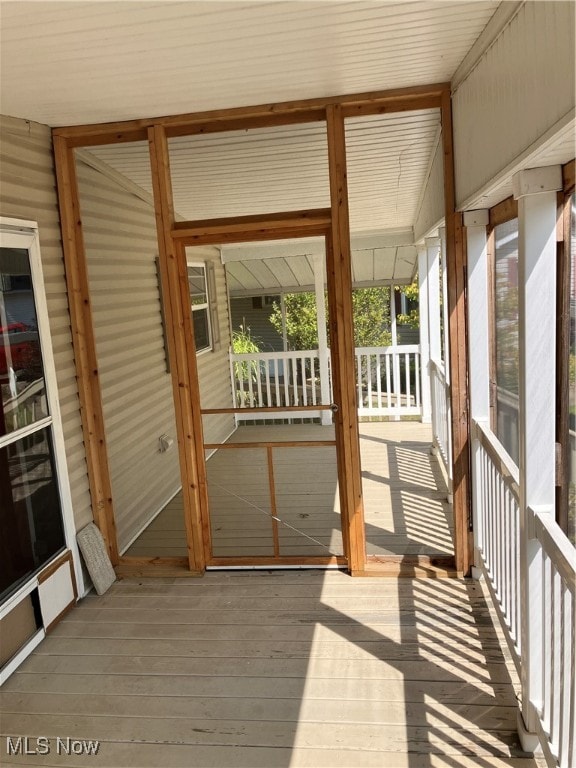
<point x="412" y="319"/>
<point x="371" y="308"/>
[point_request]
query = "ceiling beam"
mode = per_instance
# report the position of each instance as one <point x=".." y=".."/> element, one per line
<point x="282" y="113"/>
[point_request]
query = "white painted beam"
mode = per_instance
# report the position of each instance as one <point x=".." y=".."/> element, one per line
<point x="434" y="311"/>
<point x="478" y="318"/>
<point x="424" y="338"/>
<point x="319" y="280"/>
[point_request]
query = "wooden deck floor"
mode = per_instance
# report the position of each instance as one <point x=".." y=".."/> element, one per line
<point x="404" y="494"/>
<point x="292" y="669"/>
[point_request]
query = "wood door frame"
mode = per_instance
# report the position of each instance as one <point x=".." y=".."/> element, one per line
<point x="333" y="111"/>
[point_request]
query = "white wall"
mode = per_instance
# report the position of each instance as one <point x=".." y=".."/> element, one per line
<point x="431" y="209"/>
<point x="519" y="94"/>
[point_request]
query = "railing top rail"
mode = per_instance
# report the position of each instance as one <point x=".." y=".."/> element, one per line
<point x="557" y="546"/>
<point x="390" y="350"/>
<point x="504" y="463"/>
<point x="274" y="355"/>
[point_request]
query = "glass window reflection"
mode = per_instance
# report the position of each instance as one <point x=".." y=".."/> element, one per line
<point x="23" y="391"/>
<point x="31" y="530"/>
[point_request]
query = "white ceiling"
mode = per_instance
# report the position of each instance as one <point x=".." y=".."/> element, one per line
<point x="286" y="169"/>
<point x="73" y="62"/>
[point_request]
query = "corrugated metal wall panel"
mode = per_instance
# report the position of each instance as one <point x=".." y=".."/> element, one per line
<point x="522" y="88"/>
<point x="28" y="192"/>
<point x="121" y="248"/>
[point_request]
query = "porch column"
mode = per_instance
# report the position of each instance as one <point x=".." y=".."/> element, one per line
<point x="433" y="262"/>
<point x="535" y="191"/>
<point x="323" y="354"/>
<point x="396" y="384"/>
<point x="445" y="316"/>
<point x="283" y="316"/>
<point x="479" y="348"/>
<point x="424" y="337"/>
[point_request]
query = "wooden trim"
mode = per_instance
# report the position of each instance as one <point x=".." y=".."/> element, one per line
<point x="163" y="561"/>
<point x="339" y="282"/>
<point x="278" y="444"/>
<point x="84" y="345"/>
<point x="282" y="560"/>
<point x="232" y="238"/>
<point x="181" y="339"/>
<point x="406" y="104"/>
<point x="410" y="566"/>
<point x="456" y="273"/>
<point x="273" y="507"/>
<point x="266" y="409"/>
<point x="265" y="226"/>
<point x="241" y="118"/>
<point x="504" y="211"/>
<point x="569" y="176"/>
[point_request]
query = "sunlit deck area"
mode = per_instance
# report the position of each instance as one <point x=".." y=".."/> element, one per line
<point x="406" y="511"/>
<point x="273" y="669"/>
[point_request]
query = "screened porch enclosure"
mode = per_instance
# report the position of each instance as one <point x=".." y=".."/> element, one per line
<point x="405" y="496"/>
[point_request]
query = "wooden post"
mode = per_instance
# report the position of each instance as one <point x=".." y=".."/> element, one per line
<point x="424" y="308"/>
<point x="396" y="383"/>
<point x="535" y="191"/>
<point x="319" y="268"/>
<point x="479" y="349"/>
<point x="456" y="274"/>
<point x="84" y="344"/>
<point x="339" y="278"/>
<point x="181" y="346"/>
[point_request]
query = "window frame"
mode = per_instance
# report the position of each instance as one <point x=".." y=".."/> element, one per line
<point x="501" y="213"/>
<point x="202" y="307"/>
<point x="23" y="234"/>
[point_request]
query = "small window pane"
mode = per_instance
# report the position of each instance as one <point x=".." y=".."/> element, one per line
<point x="197" y="285"/>
<point x="506" y="310"/>
<point x="201" y="329"/>
<point x="31" y="530"/>
<point x="23" y="391"/>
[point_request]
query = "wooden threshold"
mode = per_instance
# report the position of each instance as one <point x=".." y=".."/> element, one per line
<point x="260" y="116"/>
<point x="410" y="566"/>
<point x="333" y="560"/>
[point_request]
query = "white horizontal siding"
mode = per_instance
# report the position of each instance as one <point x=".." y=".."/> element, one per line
<point x="520" y="92"/>
<point x="28" y="191"/>
<point x="121" y="248"/>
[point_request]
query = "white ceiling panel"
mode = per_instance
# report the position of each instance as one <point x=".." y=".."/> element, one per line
<point x="67" y="63"/>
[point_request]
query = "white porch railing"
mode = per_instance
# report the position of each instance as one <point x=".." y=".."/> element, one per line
<point x="441" y="415"/>
<point x="388" y="380"/>
<point x="547" y="625"/>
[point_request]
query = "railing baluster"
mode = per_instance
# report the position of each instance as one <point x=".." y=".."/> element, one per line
<point x="378" y="380"/>
<point x="303" y="374"/>
<point x="296" y="400"/>
<point x="259" y="382"/>
<point x="277" y="382"/>
<point x="268" y="388"/>
<point x="359" y="381"/>
<point x="313" y="379"/>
